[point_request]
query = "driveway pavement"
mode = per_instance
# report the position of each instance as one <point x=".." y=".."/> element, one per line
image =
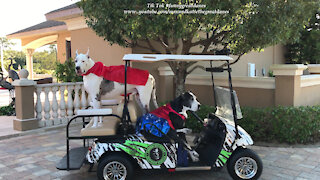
<point x="4" y="97"/>
<point x="34" y="156"/>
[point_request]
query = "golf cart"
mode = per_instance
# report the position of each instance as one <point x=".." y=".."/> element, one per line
<point x="117" y="149"/>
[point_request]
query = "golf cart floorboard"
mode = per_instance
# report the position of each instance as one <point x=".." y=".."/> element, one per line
<point x="77" y="157"/>
<point x="193" y="164"/>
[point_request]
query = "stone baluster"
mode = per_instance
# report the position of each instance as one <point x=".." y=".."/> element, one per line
<point x="62" y="105"/>
<point x="39" y="107"/>
<point x="55" y="118"/>
<point x="83" y="98"/>
<point x="76" y="102"/>
<point x="70" y="101"/>
<point x="47" y="107"/>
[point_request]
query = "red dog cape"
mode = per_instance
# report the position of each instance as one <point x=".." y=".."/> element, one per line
<point x="116" y="73"/>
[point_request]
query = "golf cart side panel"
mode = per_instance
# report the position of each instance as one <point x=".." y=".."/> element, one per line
<point x="244" y="139"/>
<point x="142" y="151"/>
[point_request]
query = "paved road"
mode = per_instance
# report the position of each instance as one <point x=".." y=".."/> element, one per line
<point x="4" y="97"/>
<point x="34" y="157"/>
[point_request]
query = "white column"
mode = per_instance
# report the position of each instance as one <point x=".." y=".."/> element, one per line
<point x="29" y="61"/>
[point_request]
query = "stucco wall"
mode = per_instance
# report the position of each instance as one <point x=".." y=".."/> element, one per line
<point x="308" y="90"/>
<point x="270" y="55"/>
<point x="252" y="97"/>
<point x="309" y="96"/>
<point x="61" y="46"/>
<point x="100" y="50"/>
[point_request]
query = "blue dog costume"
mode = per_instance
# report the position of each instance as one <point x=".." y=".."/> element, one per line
<point x="157" y="119"/>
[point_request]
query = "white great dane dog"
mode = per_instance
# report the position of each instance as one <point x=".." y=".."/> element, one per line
<point x="100" y="88"/>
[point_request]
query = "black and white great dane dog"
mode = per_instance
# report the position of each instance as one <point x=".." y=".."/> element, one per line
<point x="175" y="113"/>
<point x="100" y="88"/>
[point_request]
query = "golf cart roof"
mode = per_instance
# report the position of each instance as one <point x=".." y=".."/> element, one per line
<point x="170" y="57"/>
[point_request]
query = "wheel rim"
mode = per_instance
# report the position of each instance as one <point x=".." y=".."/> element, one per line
<point x="246" y="167"/>
<point x="115" y="170"/>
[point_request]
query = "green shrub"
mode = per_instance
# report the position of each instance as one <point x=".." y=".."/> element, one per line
<point x="66" y="72"/>
<point x="7" y="111"/>
<point x="283" y="124"/>
<point x="275" y="124"/>
<point x="203" y="112"/>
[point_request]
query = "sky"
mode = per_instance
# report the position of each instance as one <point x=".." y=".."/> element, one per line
<point x="20" y="14"/>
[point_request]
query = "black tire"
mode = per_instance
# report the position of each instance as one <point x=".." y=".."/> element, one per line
<point x="252" y="161"/>
<point x="124" y="165"/>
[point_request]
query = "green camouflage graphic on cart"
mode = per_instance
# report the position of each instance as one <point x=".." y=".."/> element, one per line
<point x="223" y="157"/>
<point x="154" y="153"/>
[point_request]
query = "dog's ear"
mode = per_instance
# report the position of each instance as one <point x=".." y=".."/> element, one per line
<point x="88" y="53"/>
<point x="186" y="99"/>
<point x="77" y="52"/>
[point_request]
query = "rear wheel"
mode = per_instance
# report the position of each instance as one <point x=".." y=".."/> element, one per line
<point x="245" y="164"/>
<point x="114" y="167"/>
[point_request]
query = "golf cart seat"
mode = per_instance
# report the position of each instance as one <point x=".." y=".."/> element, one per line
<point x="132" y="111"/>
<point x="108" y="127"/>
<point x="109" y="124"/>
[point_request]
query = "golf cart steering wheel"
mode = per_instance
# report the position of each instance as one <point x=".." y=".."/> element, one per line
<point x="197" y="117"/>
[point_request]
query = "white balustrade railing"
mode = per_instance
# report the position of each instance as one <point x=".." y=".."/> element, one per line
<point x="54" y="106"/>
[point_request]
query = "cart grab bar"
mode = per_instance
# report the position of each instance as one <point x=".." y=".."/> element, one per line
<point x="98" y="112"/>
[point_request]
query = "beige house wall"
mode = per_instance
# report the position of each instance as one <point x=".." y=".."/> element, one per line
<point x="100" y="50"/>
<point x="286" y="90"/>
<point x="61" y="46"/>
<point x="309" y="96"/>
<point x="61" y="42"/>
<point x="264" y="59"/>
<point x="249" y="97"/>
<point x="309" y="89"/>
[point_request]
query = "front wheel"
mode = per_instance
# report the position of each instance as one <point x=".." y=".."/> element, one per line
<point x="114" y="167"/>
<point x="245" y="164"/>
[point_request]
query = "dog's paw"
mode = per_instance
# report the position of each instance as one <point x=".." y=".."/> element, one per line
<point x="95" y="125"/>
<point x="100" y="124"/>
<point x="194" y="156"/>
<point x="185" y="130"/>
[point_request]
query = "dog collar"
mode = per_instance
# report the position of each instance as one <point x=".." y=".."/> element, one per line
<point x="172" y="110"/>
<point x="94" y="69"/>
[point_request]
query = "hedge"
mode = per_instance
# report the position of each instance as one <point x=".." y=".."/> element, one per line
<point x="7" y="110"/>
<point x="275" y="124"/>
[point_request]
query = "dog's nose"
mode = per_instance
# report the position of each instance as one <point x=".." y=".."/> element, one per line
<point x="77" y="68"/>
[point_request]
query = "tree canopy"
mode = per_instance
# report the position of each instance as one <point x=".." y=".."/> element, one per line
<point x="307" y="49"/>
<point x="244" y="25"/>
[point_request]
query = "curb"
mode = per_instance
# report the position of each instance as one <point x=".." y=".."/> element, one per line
<point x="39" y="130"/>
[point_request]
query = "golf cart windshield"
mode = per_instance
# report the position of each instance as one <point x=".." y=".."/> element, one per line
<point x="223" y="101"/>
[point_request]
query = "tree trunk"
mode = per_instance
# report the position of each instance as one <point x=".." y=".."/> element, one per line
<point x="179" y="81"/>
